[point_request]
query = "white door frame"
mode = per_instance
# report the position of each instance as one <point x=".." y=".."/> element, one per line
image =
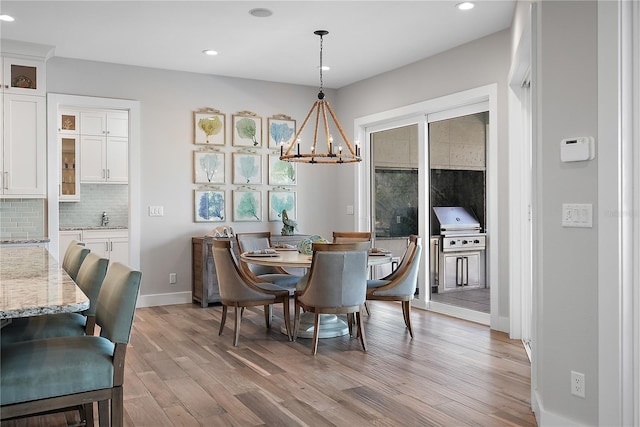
<point x="363" y="127"/>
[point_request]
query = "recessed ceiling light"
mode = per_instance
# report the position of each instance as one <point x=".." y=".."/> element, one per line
<point x="210" y="52"/>
<point x="324" y="68"/>
<point x="7" y="18"/>
<point x="467" y="5"/>
<point x="260" y="12"/>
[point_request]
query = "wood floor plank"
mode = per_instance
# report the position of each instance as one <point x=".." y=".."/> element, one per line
<point x="179" y="372"/>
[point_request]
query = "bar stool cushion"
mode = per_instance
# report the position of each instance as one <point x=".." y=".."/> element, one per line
<point x="33" y="370"/>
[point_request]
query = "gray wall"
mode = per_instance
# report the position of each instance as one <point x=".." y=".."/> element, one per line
<point x="167" y="101"/>
<point x="567" y="309"/>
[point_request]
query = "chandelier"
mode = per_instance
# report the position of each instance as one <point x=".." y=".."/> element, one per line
<point x="335" y="153"/>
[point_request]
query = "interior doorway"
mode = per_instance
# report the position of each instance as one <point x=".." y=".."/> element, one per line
<point x="55" y="102"/>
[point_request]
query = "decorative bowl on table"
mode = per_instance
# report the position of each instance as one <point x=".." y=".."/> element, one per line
<point x="305" y="245"/>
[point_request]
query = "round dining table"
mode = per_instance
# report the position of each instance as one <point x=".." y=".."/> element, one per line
<point x="331" y="325"/>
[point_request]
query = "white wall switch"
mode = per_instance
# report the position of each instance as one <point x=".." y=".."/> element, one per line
<point x="349" y="209"/>
<point x="156" y="210"/>
<point x="577" y="215"/>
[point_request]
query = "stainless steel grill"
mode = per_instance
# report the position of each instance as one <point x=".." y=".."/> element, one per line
<point x="461" y="253"/>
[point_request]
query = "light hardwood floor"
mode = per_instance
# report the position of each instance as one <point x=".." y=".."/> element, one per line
<point x="179" y="372"/>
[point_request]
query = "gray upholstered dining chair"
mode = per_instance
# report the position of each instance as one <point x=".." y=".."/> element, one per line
<point x="260" y="273"/>
<point x="90" y="279"/>
<point x="54" y="374"/>
<point x="400" y="285"/>
<point x="239" y="291"/>
<point x="335" y="284"/>
<point x="67" y="251"/>
<point x="73" y="258"/>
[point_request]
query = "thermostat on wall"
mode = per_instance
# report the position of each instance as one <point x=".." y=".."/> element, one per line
<point x="577" y="149"/>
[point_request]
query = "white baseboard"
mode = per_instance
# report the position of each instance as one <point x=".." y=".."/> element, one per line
<point x="549" y="419"/>
<point x="461" y="313"/>
<point x="164" y="299"/>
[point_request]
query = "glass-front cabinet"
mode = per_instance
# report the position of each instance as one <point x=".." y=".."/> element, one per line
<point x="23" y="76"/>
<point x="69" y="182"/>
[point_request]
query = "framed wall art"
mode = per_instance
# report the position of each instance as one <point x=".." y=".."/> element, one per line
<point x="279" y="201"/>
<point x="209" y="205"/>
<point x="247" y="205"/>
<point x="247" y="129"/>
<point x="247" y="168"/>
<point x="209" y="128"/>
<point x="281" y="173"/>
<point x="281" y="130"/>
<point x="208" y="167"/>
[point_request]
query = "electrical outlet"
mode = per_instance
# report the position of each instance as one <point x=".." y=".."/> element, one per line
<point x="577" y="384"/>
<point x="173" y="278"/>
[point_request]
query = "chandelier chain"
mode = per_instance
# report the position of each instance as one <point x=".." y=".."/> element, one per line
<point x="321" y="82"/>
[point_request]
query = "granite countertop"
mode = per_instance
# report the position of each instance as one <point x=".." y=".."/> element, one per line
<point x="95" y="227"/>
<point x="23" y="240"/>
<point x="32" y="283"/>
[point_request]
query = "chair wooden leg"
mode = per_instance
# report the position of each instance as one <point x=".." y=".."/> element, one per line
<point x="223" y="320"/>
<point x="363" y="340"/>
<point x="103" y="413"/>
<point x="296" y="319"/>
<point x="366" y="307"/>
<point x="236" y="330"/>
<point x="316" y="327"/>
<point x="117" y="408"/>
<point x="406" y="312"/>
<point x="88" y="414"/>
<point x="350" y="323"/>
<point x="287" y="317"/>
<point x="268" y="315"/>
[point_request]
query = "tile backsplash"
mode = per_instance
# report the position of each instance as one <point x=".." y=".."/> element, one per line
<point x="22" y="218"/>
<point x="95" y="199"/>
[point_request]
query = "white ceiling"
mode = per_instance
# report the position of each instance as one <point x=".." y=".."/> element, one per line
<point x="365" y="38"/>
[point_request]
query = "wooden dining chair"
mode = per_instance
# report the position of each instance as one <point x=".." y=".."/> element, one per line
<point x="335" y="284"/>
<point x="90" y="279"/>
<point x="51" y="375"/>
<point x="238" y="291"/>
<point x="351" y="236"/>
<point x="259" y="273"/>
<point x="73" y="258"/>
<point x="400" y="285"/>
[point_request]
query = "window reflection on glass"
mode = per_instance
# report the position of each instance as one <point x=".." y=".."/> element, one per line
<point x="396" y="202"/>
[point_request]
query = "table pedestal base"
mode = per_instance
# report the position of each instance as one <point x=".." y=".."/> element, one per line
<point x="330" y="326"/>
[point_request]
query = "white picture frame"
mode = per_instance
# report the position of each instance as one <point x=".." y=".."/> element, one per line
<point x="247" y="205"/>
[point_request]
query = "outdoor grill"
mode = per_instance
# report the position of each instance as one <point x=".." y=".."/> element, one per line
<point x="460" y="262"/>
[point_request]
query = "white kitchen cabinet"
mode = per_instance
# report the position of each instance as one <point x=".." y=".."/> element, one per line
<point x="104" y="159"/>
<point x="65" y="237"/>
<point x="105" y="123"/>
<point x="111" y="244"/>
<point x="23" y="76"/>
<point x="24" y="147"/>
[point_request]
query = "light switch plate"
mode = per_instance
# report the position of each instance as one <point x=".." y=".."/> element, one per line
<point x="577" y="215"/>
<point x="156" y="210"/>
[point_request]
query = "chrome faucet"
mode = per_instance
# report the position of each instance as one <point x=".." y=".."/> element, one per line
<point x="105" y="219"/>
